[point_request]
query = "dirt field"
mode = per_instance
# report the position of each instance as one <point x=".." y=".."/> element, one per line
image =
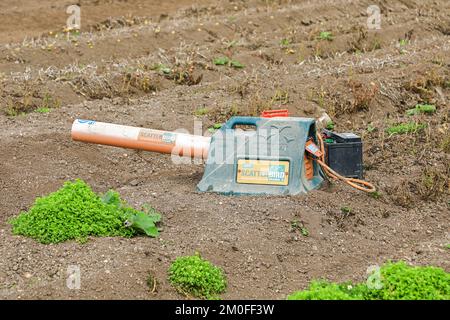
<point x="149" y="64"/>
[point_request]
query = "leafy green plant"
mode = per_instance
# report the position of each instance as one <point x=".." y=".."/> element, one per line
<point x="330" y="125"/>
<point x="398" y="281"/>
<point x="285" y="42"/>
<point x="225" y="61"/>
<point x="215" y="127"/>
<point x="201" y="111"/>
<point x="49" y="102"/>
<point x="346" y="210"/>
<point x="410" y="127"/>
<point x="404" y="282"/>
<point x="375" y="194"/>
<point x="323" y="290"/>
<point x="76" y="212"/>
<point x="195" y="276"/>
<point x="304" y="231"/>
<point x="371" y="128"/>
<point x="297" y="225"/>
<point x="326" y="35"/>
<point x="421" y="108"/>
<point x="222" y="61"/>
<point x="403" y="42"/>
<point x="43" y="110"/>
<point x="162" y="68"/>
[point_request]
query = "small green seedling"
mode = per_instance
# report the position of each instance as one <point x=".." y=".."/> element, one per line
<point x="42" y="110"/>
<point x="297" y="225"/>
<point x="370" y="128"/>
<point x="215" y="127"/>
<point x="161" y="67"/>
<point x="225" y="61"/>
<point x="330" y="125"/>
<point x="236" y="64"/>
<point x="347" y="210"/>
<point x="326" y="35"/>
<point x="421" y="108"/>
<point x="222" y="61"/>
<point x="285" y="42"/>
<point x="201" y="112"/>
<point x="410" y="127"/>
<point x="304" y="231"/>
<point x="375" y="195"/>
<point x="403" y="42"/>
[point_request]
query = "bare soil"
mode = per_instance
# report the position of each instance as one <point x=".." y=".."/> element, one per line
<point x="364" y="79"/>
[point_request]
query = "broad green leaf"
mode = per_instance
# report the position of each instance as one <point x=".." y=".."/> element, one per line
<point x="236" y="64"/>
<point x="221" y="61"/>
<point x="145" y="222"/>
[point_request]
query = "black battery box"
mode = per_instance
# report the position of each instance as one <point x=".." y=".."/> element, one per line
<point x="343" y="153"/>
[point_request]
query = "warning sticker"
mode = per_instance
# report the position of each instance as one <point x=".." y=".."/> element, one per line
<point x="263" y="172"/>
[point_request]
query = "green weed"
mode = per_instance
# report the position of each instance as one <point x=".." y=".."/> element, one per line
<point x="281" y="96"/>
<point x="49" y="102"/>
<point x="193" y="275"/>
<point x="225" y="61"/>
<point x="285" y="42"/>
<point x="375" y="195"/>
<point x="201" y="112"/>
<point x="215" y="127"/>
<point x="76" y="212"/>
<point x="297" y="225"/>
<point x="330" y="125"/>
<point x="326" y="35"/>
<point x="162" y="68"/>
<point x="398" y="281"/>
<point x="403" y="42"/>
<point x="304" y="231"/>
<point x="371" y="128"/>
<point x="410" y="127"/>
<point x="42" y="110"/>
<point x="347" y="210"/>
<point x="322" y="290"/>
<point x="421" y="108"/>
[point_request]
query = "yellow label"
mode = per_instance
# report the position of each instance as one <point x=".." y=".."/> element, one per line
<point x="263" y="172"/>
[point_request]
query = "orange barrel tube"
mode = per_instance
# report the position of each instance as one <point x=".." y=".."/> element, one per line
<point x="181" y="144"/>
